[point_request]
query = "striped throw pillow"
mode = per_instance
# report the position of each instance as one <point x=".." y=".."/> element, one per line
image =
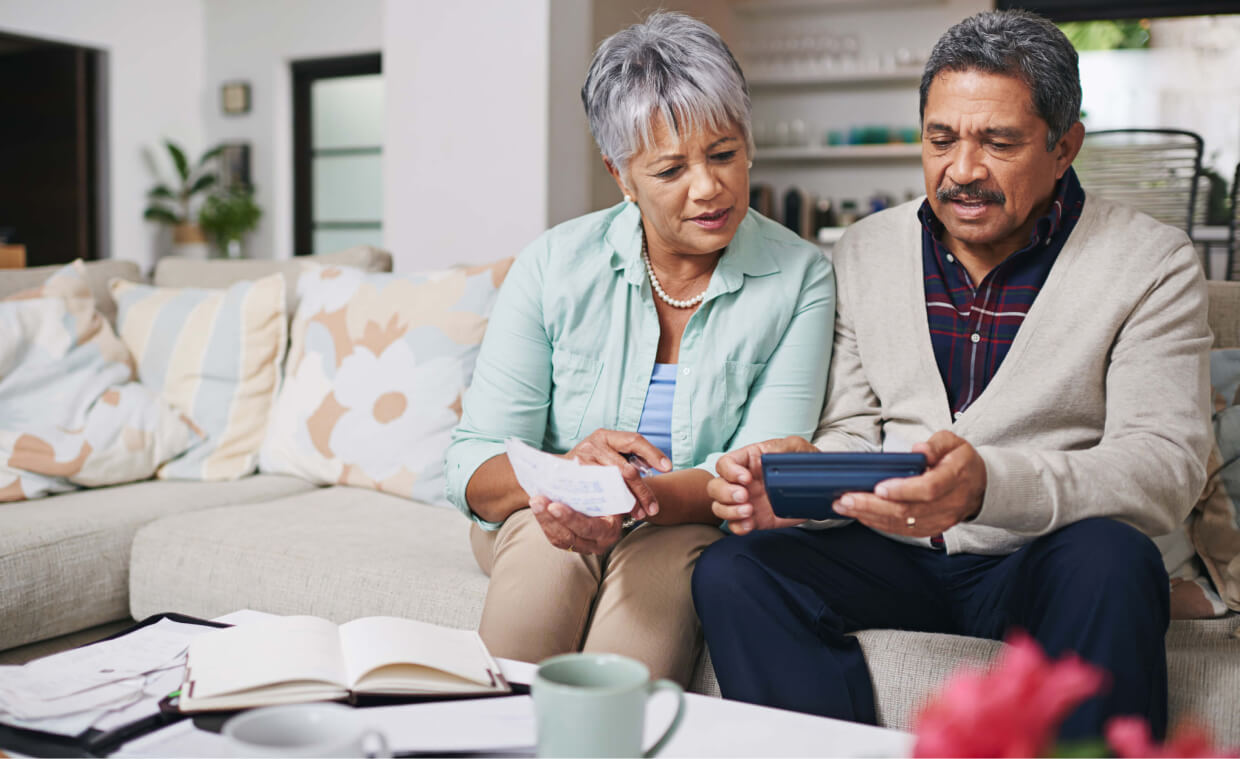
<point x="215" y="355"/>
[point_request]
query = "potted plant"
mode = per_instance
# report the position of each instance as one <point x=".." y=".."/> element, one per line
<point x="171" y="205"/>
<point x="227" y="216"/>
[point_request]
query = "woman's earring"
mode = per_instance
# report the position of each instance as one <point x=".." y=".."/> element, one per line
<point x="628" y="198"/>
<point x="749" y="165"/>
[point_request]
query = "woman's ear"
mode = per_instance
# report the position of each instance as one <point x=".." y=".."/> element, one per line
<point x="615" y="174"/>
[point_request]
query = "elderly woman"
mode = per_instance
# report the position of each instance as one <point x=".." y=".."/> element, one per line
<point x="671" y="327"/>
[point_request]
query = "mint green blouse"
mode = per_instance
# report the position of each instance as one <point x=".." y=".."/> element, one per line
<point x="571" y="345"/>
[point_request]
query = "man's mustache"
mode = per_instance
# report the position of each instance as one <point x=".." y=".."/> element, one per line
<point x="970" y="191"/>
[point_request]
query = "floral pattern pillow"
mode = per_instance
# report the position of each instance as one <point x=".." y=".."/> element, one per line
<point x="70" y="414"/>
<point x="376" y="369"/>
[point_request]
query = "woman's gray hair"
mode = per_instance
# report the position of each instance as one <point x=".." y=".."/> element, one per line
<point x="671" y="64"/>
<point x="1022" y="45"/>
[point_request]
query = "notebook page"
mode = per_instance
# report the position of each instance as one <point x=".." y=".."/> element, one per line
<point x="372" y="642"/>
<point x="272" y="651"/>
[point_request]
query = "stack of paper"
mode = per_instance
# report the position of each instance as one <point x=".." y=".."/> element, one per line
<point x="101" y="686"/>
<point x="590" y="489"/>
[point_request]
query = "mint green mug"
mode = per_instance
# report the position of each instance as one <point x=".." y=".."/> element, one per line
<point x="595" y="705"/>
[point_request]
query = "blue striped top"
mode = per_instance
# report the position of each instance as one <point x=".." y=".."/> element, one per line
<point x="656" y="420"/>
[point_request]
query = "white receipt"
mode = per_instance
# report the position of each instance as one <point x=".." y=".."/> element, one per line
<point x="593" y="490"/>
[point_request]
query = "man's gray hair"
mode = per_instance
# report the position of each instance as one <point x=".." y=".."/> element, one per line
<point x="671" y="64"/>
<point x="1022" y="45"/>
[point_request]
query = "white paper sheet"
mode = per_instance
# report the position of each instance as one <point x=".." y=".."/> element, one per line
<point x="489" y="726"/>
<point x="590" y="489"/>
<point x="143" y="667"/>
<point x="79" y="669"/>
<point x="181" y="739"/>
<point x="484" y="725"/>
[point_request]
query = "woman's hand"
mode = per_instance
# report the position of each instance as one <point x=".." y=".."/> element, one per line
<point x="573" y="531"/>
<point x="608" y="448"/>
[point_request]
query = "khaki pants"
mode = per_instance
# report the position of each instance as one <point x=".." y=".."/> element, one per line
<point x="635" y="600"/>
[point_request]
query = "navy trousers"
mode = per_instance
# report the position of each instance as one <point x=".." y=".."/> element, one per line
<point x="776" y="607"/>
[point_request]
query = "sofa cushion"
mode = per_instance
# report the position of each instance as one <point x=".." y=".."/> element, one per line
<point x="64" y="561"/>
<point x="174" y="271"/>
<point x="906" y="668"/>
<point x="1214" y="524"/>
<point x="215" y="355"/>
<point x="375" y="374"/>
<point x="339" y="553"/>
<point x="70" y="412"/>
<point x="98" y="274"/>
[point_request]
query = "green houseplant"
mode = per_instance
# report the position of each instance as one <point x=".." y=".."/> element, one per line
<point x="227" y="216"/>
<point x="171" y="204"/>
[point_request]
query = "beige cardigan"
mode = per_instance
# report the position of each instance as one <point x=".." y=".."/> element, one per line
<point x="1100" y="409"/>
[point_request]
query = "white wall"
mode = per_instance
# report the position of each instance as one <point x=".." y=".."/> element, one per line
<point x="154" y="63"/>
<point x="470" y="174"/>
<point x="571" y="151"/>
<point x="1186" y="80"/>
<point x="257" y="42"/>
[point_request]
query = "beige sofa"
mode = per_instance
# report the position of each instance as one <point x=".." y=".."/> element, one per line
<point x="279" y="544"/>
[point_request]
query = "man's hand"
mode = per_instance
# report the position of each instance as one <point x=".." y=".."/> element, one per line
<point x="574" y="531"/>
<point x="950" y="491"/>
<point x="608" y="447"/>
<point x="739" y="494"/>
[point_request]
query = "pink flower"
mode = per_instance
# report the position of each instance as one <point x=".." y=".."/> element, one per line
<point x="1014" y="710"/>
<point x="1129" y="737"/>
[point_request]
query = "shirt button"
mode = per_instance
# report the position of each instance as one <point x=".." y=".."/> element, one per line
<point x="957" y="415"/>
<point x="975" y="337"/>
<point x="951" y="259"/>
<point x="685" y="370"/>
<point x="684" y="436"/>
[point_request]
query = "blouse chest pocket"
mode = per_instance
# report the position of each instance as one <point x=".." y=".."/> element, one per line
<point x="738" y="379"/>
<point x="574" y="377"/>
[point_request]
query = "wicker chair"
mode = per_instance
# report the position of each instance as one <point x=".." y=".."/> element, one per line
<point x="1233" y="222"/>
<point x="1155" y="171"/>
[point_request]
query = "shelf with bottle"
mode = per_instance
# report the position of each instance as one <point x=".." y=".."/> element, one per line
<point x="899" y="151"/>
<point x="763" y="7"/>
<point x="819" y="76"/>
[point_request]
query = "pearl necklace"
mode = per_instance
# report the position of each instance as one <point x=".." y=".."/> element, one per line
<point x="658" y="288"/>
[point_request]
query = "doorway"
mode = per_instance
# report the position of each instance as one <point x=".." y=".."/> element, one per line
<point x="49" y="150"/>
<point x="337" y="153"/>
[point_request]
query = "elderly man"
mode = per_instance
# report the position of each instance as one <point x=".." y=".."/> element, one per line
<point x="1048" y="354"/>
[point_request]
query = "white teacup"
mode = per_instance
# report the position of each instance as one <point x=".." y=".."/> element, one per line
<point x="304" y="730"/>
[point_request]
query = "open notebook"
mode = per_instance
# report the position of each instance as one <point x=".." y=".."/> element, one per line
<point x="293" y="659"/>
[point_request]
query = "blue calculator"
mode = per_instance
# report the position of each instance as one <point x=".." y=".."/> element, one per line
<point x="804" y="485"/>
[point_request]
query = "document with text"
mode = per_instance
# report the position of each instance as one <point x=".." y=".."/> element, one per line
<point x="591" y="489"/>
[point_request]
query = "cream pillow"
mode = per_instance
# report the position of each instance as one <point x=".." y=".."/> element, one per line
<point x="215" y="355"/>
<point x="70" y="413"/>
<point x="376" y="370"/>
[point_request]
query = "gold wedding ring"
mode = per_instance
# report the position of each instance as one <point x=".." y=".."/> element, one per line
<point x="910" y="521"/>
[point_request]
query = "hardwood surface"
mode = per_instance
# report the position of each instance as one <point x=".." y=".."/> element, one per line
<point x="12" y="256"/>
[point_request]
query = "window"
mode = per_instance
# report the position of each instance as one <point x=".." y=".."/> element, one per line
<point x="337" y="153"/>
<point x="1078" y="10"/>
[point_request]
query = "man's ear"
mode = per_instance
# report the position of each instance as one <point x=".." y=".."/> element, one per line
<point x="615" y="174"/>
<point x="1069" y="145"/>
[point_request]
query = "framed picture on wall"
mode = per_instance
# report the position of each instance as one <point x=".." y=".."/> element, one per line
<point x="235" y="165"/>
<point x="235" y="98"/>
